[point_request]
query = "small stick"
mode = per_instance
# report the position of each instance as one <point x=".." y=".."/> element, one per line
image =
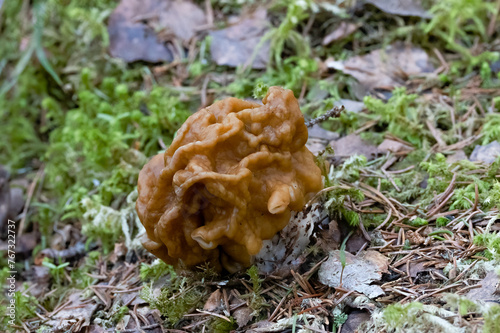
<point x="332" y="113"/>
<point x="31" y="190"/>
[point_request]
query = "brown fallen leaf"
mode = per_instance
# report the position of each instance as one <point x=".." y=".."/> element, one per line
<point x="355" y="242"/>
<point x="314" y="323"/>
<point x="151" y="321"/>
<point x="329" y="236"/>
<point x="353" y="321"/>
<point x="25" y="244"/>
<point x="386" y="69"/>
<point x="316" y="145"/>
<point x="133" y="25"/>
<point x="487" y="291"/>
<point x="214" y="301"/>
<point x="393" y="146"/>
<point x="360" y="271"/>
<point x="319" y="139"/>
<point x="235" y="45"/>
<point x="132" y="298"/>
<point x="416" y="268"/>
<point x="342" y="31"/>
<point x="459" y="155"/>
<point x="96" y="329"/>
<point x="243" y="315"/>
<point x="75" y="316"/>
<point x="350" y="105"/>
<point x="39" y="277"/>
<point x="487" y="153"/>
<point x="283" y="252"/>
<point x="401" y="7"/>
<point x="320" y="133"/>
<point x="119" y="253"/>
<point x="352" y="144"/>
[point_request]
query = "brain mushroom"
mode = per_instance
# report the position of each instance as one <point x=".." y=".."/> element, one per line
<point x="229" y="180"/>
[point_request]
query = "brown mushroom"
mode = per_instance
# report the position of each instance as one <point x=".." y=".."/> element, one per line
<point x="229" y="180"/>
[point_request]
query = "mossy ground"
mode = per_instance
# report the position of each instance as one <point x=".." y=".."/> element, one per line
<point x="77" y="125"/>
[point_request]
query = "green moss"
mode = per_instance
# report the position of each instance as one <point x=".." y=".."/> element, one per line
<point x="176" y="300"/>
<point x="257" y="301"/>
<point x="108" y="225"/>
<point x="339" y="320"/>
<point x="491" y="319"/>
<point x="400" y="115"/>
<point x="492" y="243"/>
<point x="25" y="308"/>
<point x="220" y="325"/>
<point x="441" y="221"/>
<point x="260" y="90"/>
<point x="458" y="23"/>
<point x="491" y="129"/>
<point x="57" y="271"/>
<point x="396" y="315"/>
<point x="156" y="270"/>
<point x="122" y="311"/>
<point x="417" y="222"/>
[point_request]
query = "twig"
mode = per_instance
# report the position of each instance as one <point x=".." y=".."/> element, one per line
<point x="214" y="314"/>
<point x="332" y="113"/>
<point x="459" y="276"/>
<point x="389" y="215"/>
<point x="148" y="327"/>
<point x="435" y="133"/>
<point x="437" y="291"/>
<point x="493" y="19"/>
<point x="447" y="194"/>
<point x="31" y="190"/>
<point x="280" y="304"/>
<point x="476" y="199"/>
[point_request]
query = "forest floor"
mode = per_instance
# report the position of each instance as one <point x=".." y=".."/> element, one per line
<point x="404" y="237"/>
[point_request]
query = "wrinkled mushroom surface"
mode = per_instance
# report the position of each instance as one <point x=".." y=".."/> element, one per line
<point x="230" y="179"/>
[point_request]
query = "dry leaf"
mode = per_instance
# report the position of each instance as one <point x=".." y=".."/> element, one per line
<point x="235" y="45"/>
<point x="319" y="139"/>
<point x="316" y="145"/>
<point x="214" y="301"/>
<point x="73" y="317"/>
<point x="315" y="323"/>
<point x="393" y="146"/>
<point x="386" y="69"/>
<point x="487" y="291"/>
<point x="486" y="154"/>
<point x="350" y="105"/>
<point x="119" y="253"/>
<point x="318" y="132"/>
<point x="353" y="321"/>
<point x="355" y="242"/>
<point x="283" y="252"/>
<point x="96" y="329"/>
<point x="360" y="271"/>
<point x="459" y="155"/>
<point x="415" y="268"/>
<point x="341" y="32"/>
<point x="401" y="7"/>
<point x="243" y="315"/>
<point x="133" y="25"/>
<point x="352" y="144"/>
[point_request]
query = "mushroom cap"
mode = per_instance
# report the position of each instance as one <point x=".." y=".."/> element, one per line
<point x="229" y="180"/>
